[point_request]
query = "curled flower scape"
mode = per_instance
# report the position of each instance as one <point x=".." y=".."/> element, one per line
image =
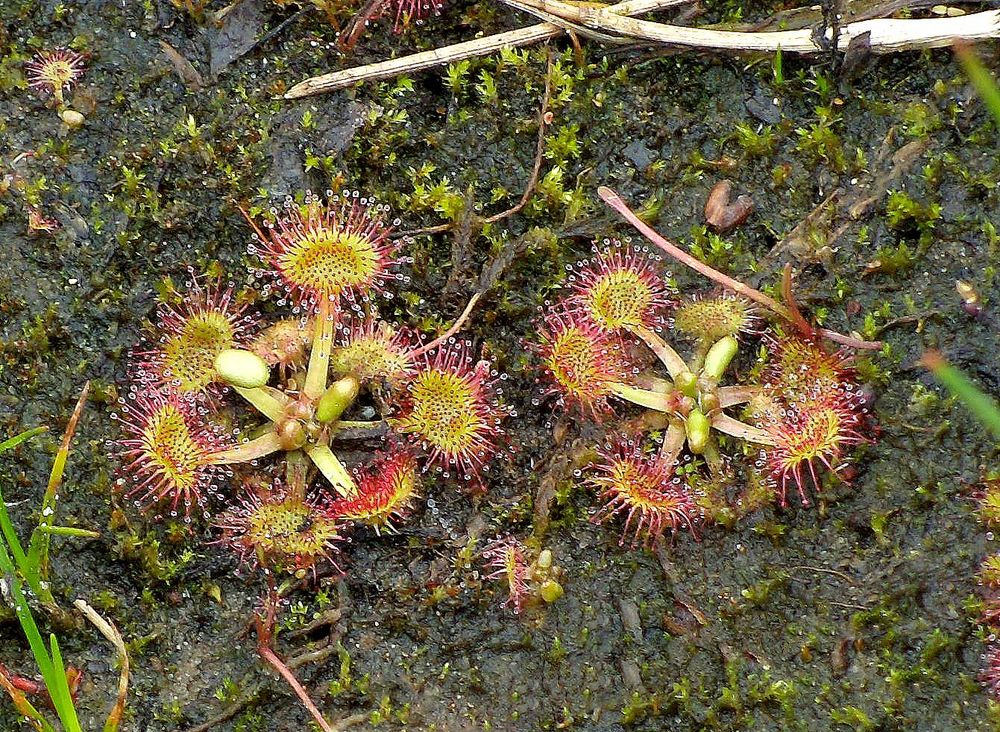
<point x="605" y="346"/>
<point x="220" y="392"/>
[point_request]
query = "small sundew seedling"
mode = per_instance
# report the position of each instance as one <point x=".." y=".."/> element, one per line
<point x="506" y="560"/>
<point x="989" y="677"/>
<point x="39" y="223"/>
<point x="989" y="572"/>
<point x="530" y="575"/>
<point x="55" y="72"/>
<point x="409" y="11"/>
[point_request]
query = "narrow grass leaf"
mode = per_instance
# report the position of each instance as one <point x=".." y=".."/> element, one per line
<point x="981" y="78"/>
<point x="18" y="439"/>
<point x="980" y="404"/>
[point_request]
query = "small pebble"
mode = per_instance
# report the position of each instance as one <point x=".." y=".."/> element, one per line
<point x="71" y="118"/>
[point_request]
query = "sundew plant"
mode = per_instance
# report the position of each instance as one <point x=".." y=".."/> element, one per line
<point x="753" y="409"/>
<point x="239" y="421"/>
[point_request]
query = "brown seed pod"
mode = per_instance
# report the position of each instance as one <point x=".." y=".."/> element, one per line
<point x="721" y="214"/>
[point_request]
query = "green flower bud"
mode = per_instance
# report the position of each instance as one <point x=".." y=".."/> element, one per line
<point x="544" y="561"/>
<point x="550" y="591"/>
<point x="242" y="368"/>
<point x="719" y="357"/>
<point x="337" y="399"/>
<point x="698" y="431"/>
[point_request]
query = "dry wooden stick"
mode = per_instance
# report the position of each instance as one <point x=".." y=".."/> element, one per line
<point x="884" y="35"/>
<point x="468" y="49"/>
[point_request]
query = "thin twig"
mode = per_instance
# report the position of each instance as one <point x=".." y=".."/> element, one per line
<point x="456" y="326"/>
<point x="539" y="150"/>
<point x="447" y="54"/>
<point x="315" y="656"/>
<point x="328" y="618"/>
<point x="224" y="716"/>
<point x="825" y="570"/>
<point x="282" y="25"/>
<point x="848" y="605"/>
<point x="356" y="26"/>
<point x="532" y="179"/>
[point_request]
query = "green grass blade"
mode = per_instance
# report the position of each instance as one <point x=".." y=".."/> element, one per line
<point x="38" y="549"/>
<point x="25" y="618"/>
<point x="54" y="676"/>
<point x="980" y="404"/>
<point x="29" y="573"/>
<point x="15" y="565"/>
<point x="27" y="570"/>
<point x="982" y="79"/>
<point x="18" y="439"/>
<point x="70" y="531"/>
<point x="64" y="706"/>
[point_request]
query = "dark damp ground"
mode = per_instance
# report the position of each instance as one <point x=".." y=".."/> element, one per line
<point x="858" y="613"/>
